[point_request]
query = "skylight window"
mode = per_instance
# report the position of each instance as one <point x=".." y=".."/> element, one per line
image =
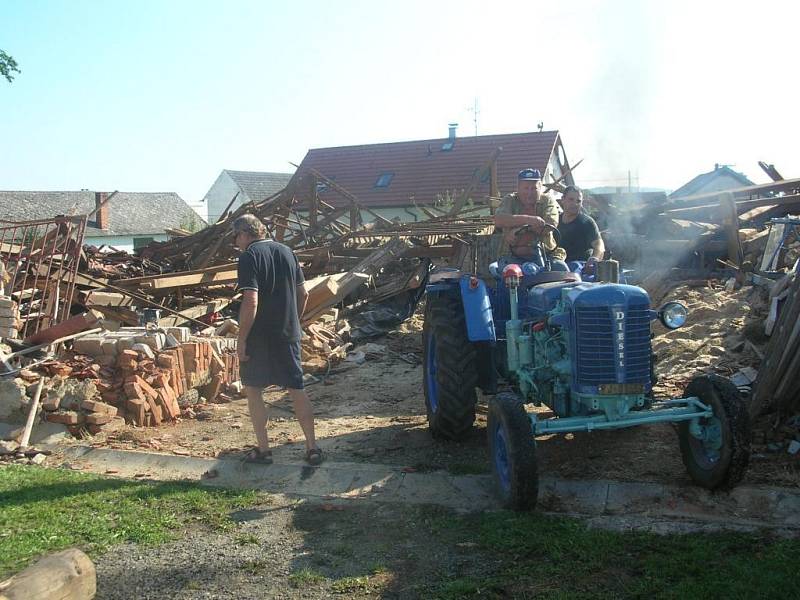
<point x="384" y="179"/>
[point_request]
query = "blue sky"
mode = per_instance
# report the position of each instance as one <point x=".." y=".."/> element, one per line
<point x="160" y="96"/>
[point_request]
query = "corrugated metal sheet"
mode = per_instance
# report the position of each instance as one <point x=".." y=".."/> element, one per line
<point x="423" y="171"/>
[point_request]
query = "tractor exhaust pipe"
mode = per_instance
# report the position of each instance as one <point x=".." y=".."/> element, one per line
<point x="607" y="271"/>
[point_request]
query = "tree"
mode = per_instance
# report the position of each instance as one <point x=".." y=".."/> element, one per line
<point x="8" y="66"/>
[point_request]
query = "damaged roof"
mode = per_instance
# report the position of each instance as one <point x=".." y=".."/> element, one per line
<point x="401" y="173"/>
<point x="130" y="213"/>
<point x="258" y="185"/>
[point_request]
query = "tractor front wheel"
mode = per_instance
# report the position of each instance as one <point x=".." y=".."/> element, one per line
<point x="717" y="456"/>
<point x="512" y="452"/>
<point x="449" y="368"/>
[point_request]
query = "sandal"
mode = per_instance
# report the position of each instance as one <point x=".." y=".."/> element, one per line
<point x="314" y="457"/>
<point x="257" y="456"/>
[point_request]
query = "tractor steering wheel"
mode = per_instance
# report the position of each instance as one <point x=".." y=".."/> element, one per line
<point x="556" y="232"/>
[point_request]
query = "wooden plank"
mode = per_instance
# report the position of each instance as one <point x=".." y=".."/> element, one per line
<point x="194" y="312"/>
<point x="773" y="243"/>
<point x="730" y="221"/>
<point x="742" y="206"/>
<point x="348" y="283"/>
<point x="774" y="355"/>
<point x="320" y="289"/>
<point x="219" y="274"/>
<point x="99" y="298"/>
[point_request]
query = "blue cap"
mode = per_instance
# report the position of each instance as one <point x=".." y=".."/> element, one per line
<point x="531" y="174"/>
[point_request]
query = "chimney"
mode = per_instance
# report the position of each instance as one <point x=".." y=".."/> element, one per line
<point x="716" y="166"/>
<point x="102" y="211"/>
<point x="452" y="128"/>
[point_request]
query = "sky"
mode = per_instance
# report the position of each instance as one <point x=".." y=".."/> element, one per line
<point x="163" y="95"/>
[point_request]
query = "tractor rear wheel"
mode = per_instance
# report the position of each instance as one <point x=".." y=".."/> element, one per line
<point x="718" y="460"/>
<point x="512" y="452"/>
<point x="449" y="368"/>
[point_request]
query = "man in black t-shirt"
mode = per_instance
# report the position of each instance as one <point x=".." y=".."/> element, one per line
<point x="579" y="233"/>
<point x="273" y="298"/>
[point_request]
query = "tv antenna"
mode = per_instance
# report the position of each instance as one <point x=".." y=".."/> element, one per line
<point x="475" y="112"/>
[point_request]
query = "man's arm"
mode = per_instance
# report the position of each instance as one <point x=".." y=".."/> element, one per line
<point x="598" y="249"/>
<point x="302" y="298"/>
<point x="506" y="221"/>
<point x="550" y="216"/>
<point x="247" y="315"/>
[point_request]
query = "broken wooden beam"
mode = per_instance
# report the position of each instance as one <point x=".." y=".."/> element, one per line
<point x="217" y="275"/>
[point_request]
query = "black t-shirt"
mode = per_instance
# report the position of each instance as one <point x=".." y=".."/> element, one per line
<point x="272" y="269"/>
<point x="577" y="236"/>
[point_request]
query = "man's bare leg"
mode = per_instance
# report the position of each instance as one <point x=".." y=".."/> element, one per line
<point x="305" y="415"/>
<point x="258" y="415"/>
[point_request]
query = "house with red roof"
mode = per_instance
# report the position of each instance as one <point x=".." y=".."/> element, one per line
<point x="395" y="179"/>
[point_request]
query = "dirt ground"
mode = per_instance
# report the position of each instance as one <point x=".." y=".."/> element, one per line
<point x="375" y="412"/>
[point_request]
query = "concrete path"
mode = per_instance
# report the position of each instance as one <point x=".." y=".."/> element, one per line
<point x="745" y="506"/>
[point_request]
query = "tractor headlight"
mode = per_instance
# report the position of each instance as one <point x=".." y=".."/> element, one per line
<point x="673" y="315"/>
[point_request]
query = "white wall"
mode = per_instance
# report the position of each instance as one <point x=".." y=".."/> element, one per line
<point x="220" y="195"/>
<point x="121" y="242"/>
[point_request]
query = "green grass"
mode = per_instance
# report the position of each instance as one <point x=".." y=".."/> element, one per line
<point x="552" y="557"/>
<point x="246" y="538"/>
<point x="304" y="578"/>
<point x="45" y="510"/>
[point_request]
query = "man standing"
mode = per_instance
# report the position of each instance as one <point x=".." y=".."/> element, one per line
<point x="273" y="297"/>
<point x="527" y="207"/>
<point x="579" y="233"/>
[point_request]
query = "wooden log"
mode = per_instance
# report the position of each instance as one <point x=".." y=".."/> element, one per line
<point x="65" y="575"/>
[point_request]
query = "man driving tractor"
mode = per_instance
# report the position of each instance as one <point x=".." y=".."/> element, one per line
<point x="522" y="219"/>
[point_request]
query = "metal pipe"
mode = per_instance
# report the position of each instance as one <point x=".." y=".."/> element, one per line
<point x="569" y="424"/>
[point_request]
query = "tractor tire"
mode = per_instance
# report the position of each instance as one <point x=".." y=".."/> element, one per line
<point x="512" y="452"/>
<point x="449" y="368"/>
<point x="720" y="465"/>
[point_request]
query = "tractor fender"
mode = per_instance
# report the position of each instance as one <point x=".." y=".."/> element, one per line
<point x="477" y="309"/>
<point x="475" y="299"/>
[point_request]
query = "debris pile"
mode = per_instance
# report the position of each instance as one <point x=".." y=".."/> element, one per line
<point x="111" y="338"/>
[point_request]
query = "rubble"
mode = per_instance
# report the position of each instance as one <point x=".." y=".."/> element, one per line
<point x="156" y="332"/>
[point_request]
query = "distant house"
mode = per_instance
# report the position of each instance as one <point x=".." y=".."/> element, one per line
<point x="251" y="186"/>
<point x="393" y="178"/>
<point x="721" y="178"/>
<point x="128" y="221"/>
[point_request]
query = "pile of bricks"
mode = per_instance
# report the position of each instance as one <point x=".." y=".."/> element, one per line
<point x="93" y="416"/>
<point x="141" y="380"/>
<point x="9" y="318"/>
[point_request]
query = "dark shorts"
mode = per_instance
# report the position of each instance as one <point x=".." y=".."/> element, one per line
<point x="272" y="362"/>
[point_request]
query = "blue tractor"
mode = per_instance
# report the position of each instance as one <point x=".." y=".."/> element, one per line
<point x="582" y="348"/>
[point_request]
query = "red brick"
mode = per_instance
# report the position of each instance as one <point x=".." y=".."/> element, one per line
<point x="98" y="418"/>
<point x="166" y="361"/>
<point x="115" y="424"/>
<point x="212" y="388"/>
<point x="66" y="417"/>
<point x="133" y="391"/>
<point x="98" y="407"/>
<point x="136" y="409"/>
<point x="165" y="404"/>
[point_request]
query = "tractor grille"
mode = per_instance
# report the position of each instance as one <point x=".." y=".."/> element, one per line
<point x="597" y="357"/>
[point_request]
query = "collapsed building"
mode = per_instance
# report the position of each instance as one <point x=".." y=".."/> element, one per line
<point x="151" y="335"/>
